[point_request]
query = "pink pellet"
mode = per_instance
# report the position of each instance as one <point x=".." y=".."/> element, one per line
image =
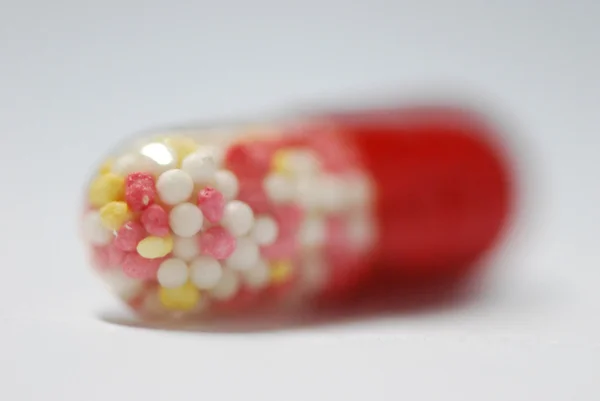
<point x="289" y="218"/>
<point x="249" y="160"/>
<point x="155" y="220"/>
<point x="284" y="248"/>
<point x="140" y="191"/>
<point x="136" y="266"/>
<point x="137" y="302"/>
<point x="217" y="242"/>
<point x="212" y="204"/>
<point x="100" y="257"/>
<point x="243" y="300"/>
<point x="138" y="176"/>
<point x="337" y="236"/>
<point x="115" y="255"/>
<point x="107" y="257"/>
<point x="334" y="158"/>
<point x="252" y="193"/>
<point x="129" y="235"/>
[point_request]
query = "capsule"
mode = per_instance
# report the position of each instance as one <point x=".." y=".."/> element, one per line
<point x="196" y="221"/>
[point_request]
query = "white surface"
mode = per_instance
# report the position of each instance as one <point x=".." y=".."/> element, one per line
<point x="76" y="77"/>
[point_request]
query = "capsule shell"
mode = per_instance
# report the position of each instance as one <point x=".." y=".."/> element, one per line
<point x="315" y="208"/>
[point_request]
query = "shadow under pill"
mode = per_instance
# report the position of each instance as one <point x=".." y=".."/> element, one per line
<point x="377" y="304"/>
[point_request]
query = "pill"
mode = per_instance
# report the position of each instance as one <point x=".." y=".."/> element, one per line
<point x="322" y="207"/>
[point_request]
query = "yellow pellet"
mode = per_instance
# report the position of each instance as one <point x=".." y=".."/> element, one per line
<point x="106" y="167"/>
<point x="155" y="247"/>
<point x="114" y="214"/>
<point x="182" y="298"/>
<point x="182" y="146"/>
<point x="106" y="188"/>
<point x="280" y="162"/>
<point x="280" y="271"/>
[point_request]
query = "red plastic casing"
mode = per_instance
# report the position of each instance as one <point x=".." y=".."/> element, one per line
<point x="443" y="184"/>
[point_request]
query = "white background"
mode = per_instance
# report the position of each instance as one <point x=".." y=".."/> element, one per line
<point x="77" y="76"/>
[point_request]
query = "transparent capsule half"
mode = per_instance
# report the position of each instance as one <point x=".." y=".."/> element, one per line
<point x="192" y="220"/>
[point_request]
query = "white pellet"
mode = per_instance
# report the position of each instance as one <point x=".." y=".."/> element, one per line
<point x="201" y="167"/>
<point x="227" y="183"/>
<point x="217" y="153"/>
<point x="238" y="218"/>
<point x="245" y="256"/>
<point x="174" y="186"/>
<point x="265" y="230"/>
<point x="361" y="231"/>
<point x="308" y="193"/>
<point x="172" y="273"/>
<point x="313" y="273"/>
<point x="132" y="163"/>
<point x="313" y="232"/>
<point x="94" y="231"/>
<point x="258" y="276"/>
<point x="186" y="219"/>
<point x="301" y="163"/>
<point x="153" y="306"/>
<point x="332" y="194"/>
<point x="205" y="272"/>
<point x="279" y="188"/>
<point x="359" y="189"/>
<point x="199" y="309"/>
<point x="227" y="286"/>
<point x="185" y="248"/>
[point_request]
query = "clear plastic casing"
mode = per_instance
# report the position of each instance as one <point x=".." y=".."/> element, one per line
<point x="192" y="221"/>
